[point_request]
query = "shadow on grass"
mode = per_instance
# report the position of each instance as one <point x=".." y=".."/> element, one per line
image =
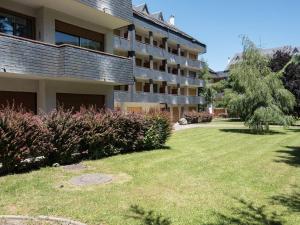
<point x="289" y="156"/>
<point x="290" y="201"/>
<point x="249" y="131"/>
<point x="147" y="217"/>
<point x="248" y="214"/>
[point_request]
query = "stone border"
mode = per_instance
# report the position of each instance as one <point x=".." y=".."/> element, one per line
<point x="40" y="218"/>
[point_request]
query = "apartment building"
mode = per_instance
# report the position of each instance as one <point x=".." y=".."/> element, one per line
<point x="166" y="65"/>
<point x="104" y="53"/>
<point x="61" y="52"/>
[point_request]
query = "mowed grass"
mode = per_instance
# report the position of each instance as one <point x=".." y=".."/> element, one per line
<point x="208" y="176"/>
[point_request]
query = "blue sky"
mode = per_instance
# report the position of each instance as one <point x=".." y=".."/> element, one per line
<point x="220" y="23"/>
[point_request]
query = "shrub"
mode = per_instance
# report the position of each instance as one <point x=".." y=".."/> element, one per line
<point x="68" y="135"/>
<point x="196" y="117"/>
<point x="192" y="117"/>
<point x="64" y="137"/>
<point x="23" y="141"/>
<point x="114" y="133"/>
<point x="158" y="130"/>
<point x="205" y="117"/>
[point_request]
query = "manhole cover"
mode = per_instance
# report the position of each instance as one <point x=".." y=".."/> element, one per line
<point x="90" y="179"/>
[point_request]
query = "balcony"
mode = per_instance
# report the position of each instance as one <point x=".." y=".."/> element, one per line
<point x="121" y="43"/>
<point x="122" y="96"/>
<point x="168" y="34"/>
<point x="145" y="73"/>
<point x="147" y="49"/>
<point x="36" y="59"/>
<point x="111" y="14"/>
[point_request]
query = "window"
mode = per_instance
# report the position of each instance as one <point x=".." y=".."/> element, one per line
<point x="16" y="24"/>
<point x="193" y="56"/>
<point x="138" y="37"/>
<point x="155" y="88"/>
<point x="192" y="74"/>
<point x="86" y="43"/>
<point x="62" y="38"/>
<point x="147" y="40"/>
<point x="146" y="87"/>
<point x="70" y="34"/>
<point x="139" y="86"/>
<point x="138" y="62"/>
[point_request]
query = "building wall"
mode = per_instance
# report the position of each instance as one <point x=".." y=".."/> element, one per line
<point x="119" y="8"/>
<point x="46" y="90"/>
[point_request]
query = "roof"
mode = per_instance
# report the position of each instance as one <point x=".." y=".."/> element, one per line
<point x="268" y="52"/>
<point x="219" y="74"/>
<point x="158" y="19"/>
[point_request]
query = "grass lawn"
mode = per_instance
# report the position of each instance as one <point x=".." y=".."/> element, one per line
<point x="208" y="176"/>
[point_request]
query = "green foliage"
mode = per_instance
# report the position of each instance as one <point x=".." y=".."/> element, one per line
<point x="258" y="95"/>
<point x="158" y="130"/>
<point x="289" y="66"/>
<point x="149" y="217"/>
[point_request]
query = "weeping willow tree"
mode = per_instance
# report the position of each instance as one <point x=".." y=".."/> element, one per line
<point x="258" y="95"/>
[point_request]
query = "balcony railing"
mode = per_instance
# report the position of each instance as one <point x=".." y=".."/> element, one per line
<point x="121" y="43"/>
<point x="123" y="96"/>
<point x="156" y="75"/>
<point x="32" y="58"/>
<point x="148" y="49"/>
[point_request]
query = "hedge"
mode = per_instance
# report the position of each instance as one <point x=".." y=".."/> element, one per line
<point x="198" y="117"/>
<point x="28" y="141"/>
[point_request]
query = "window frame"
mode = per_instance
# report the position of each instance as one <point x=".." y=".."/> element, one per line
<point x="23" y="16"/>
<point x="80" y="32"/>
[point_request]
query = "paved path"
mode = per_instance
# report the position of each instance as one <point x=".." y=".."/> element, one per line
<point x="178" y="127"/>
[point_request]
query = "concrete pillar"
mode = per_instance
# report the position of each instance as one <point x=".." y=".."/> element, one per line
<point x="151" y="62"/>
<point x="165" y="42"/>
<point x="179" y="70"/>
<point x="166" y="88"/>
<point x="151" y="86"/>
<point x="110" y="99"/>
<point x="165" y="63"/>
<point x="179" y="49"/>
<point x="41" y="97"/>
<point x="178" y="89"/>
<point x="151" y="37"/>
<point x="131" y="36"/>
<point x="131" y="54"/>
<point x="109" y="37"/>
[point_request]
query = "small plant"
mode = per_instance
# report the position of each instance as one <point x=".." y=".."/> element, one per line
<point x="149" y="217"/>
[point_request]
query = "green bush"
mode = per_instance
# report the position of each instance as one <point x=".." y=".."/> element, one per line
<point x="158" y="130"/>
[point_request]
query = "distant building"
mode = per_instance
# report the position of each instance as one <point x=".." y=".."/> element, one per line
<point x="268" y="52"/>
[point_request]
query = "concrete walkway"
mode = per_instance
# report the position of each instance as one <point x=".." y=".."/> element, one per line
<point x="221" y="125"/>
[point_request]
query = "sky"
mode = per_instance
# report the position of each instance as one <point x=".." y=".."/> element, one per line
<point x="220" y="24"/>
